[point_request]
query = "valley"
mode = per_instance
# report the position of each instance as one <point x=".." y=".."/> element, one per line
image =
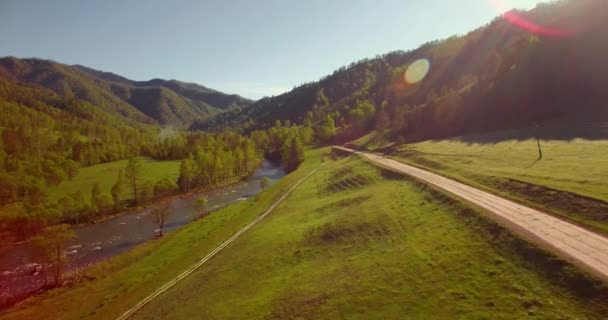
<point x="116" y="235"/>
<point x="369" y="241"/>
<point x="399" y="160"/>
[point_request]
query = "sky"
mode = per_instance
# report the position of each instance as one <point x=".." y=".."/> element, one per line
<point x="252" y="48"/>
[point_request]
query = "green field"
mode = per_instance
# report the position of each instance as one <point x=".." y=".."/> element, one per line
<point x="351" y="242"/>
<point x="106" y="175"/>
<point x="571" y="179"/>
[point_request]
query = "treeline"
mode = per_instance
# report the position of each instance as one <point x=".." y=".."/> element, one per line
<point x="45" y="139"/>
<point x="284" y="143"/>
<point x="210" y="160"/>
<point x="217" y="159"/>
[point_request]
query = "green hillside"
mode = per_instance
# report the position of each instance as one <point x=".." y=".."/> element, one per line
<point x="495" y="77"/>
<point x="46" y="138"/>
<point x="156" y="101"/>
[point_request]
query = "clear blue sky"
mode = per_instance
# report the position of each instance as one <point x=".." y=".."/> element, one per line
<point x="250" y="47"/>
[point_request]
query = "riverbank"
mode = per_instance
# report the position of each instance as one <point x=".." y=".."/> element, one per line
<point x="110" y="237"/>
<point x="150" y="204"/>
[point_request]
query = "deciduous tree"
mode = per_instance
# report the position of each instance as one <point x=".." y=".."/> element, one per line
<point x="134" y="173"/>
<point x="50" y="243"/>
<point x="160" y="215"/>
<point x="264" y="183"/>
<point x="201" y="206"/>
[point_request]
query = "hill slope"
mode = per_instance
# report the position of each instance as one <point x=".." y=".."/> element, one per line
<point x="498" y="76"/>
<point x="156" y="101"/>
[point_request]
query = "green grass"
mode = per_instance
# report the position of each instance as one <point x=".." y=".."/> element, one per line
<point x="124" y="280"/>
<point x="372" y="141"/>
<point x="106" y="175"/>
<point x="350" y="242"/>
<point x="570" y="180"/>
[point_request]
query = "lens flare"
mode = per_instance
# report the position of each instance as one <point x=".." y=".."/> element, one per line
<point x="517" y="20"/>
<point x="417" y="71"/>
<point x="521" y="21"/>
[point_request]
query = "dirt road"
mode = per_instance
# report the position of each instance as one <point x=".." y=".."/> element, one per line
<point x="584" y="248"/>
<point x="197" y="265"/>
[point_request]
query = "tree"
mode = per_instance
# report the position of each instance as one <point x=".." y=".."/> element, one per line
<point x="160" y="215"/>
<point x="35" y="191"/>
<point x="165" y="187"/>
<point x="264" y="183"/>
<point x="71" y="168"/>
<point x="133" y="173"/>
<point x="66" y="204"/>
<point x="382" y="119"/>
<point x="104" y="203"/>
<point x="146" y="193"/>
<point x="321" y="105"/>
<point x="187" y="172"/>
<point x="95" y="192"/>
<point x="399" y="119"/>
<point x="327" y="130"/>
<point x="292" y="154"/>
<point x="201" y="206"/>
<point x="362" y="114"/>
<point x="80" y="204"/>
<point x="118" y="188"/>
<point x="44" y="253"/>
<point x="50" y="244"/>
<point x="305" y="133"/>
<point x="53" y="175"/>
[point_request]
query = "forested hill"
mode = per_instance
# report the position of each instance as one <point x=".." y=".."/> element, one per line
<point x="153" y="102"/>
<point x="495" y="77"/>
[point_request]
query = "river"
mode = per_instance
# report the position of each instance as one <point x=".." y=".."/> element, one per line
<point x="100" y="241"/>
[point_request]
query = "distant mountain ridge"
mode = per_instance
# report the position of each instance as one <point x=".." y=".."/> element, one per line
<point x="157" y="101"/>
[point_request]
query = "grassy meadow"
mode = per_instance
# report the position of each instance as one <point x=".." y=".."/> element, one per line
<point x="351" y="242"/>
<point x="570" y="180"/>
<point x="106" y="175"/>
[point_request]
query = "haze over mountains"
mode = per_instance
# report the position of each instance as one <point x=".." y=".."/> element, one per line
<point x="164" y="102"/>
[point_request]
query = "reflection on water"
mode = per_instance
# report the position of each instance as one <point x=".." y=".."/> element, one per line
<point x="97" y="242"/>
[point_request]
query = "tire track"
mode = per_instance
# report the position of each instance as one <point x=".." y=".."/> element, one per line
<point x="582" y="247"/>
<point x="197" y="265"/>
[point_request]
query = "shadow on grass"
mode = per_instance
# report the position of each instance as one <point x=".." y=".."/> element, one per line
<point x="543" y="262"/>
<point x="562" y="130"/>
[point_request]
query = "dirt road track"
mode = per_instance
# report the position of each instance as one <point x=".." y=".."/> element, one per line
<point x="197" y="265"/>
<point x="583" y="248"/>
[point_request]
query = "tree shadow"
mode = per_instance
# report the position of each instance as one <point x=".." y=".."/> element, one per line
<point x="587" y="128"/>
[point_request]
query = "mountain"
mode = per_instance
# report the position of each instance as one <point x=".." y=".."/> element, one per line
<point x="523" y="68"/>
<point x="164" y="102"/>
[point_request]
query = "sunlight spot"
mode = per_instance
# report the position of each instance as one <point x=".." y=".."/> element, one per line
<point x="417" y="71"/>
